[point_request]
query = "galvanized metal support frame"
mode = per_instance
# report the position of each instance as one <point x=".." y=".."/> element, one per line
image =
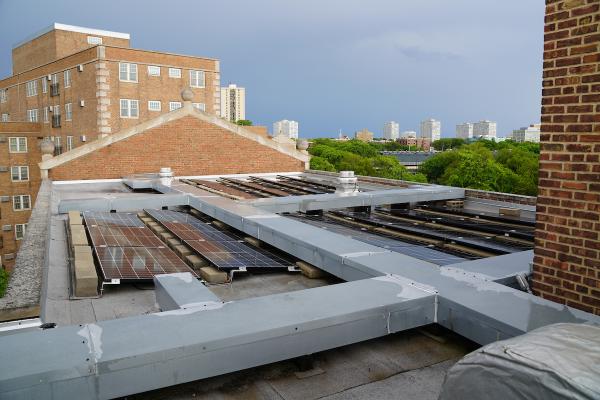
<point x="386" y="292"/>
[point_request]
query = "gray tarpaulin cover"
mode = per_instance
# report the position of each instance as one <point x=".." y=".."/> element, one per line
<point x="560" y="361"/>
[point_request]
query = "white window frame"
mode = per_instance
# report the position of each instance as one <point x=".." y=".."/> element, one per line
<point x="199" y="106"/>
<point x="153" y="70"/>
<point x="46" y="115"/>
<point x="56" y="109"/>
<point x="45" y="84"/>
<point x="94" y="40"/>
<point x="19" y="202"/>
<point x="31" y="88"/>
<point x="23" y="229"/>
<point x="3" y="95"/>
<point x="195" y="79"/>
<point x="129" y="108"/>
<point x="175" y="73"/>
<point x="54" y="79"/>
<point x="21" y="172"/>
<point x="5" y="117"/>
<point x="175" y="105"/>
<point x="32" y="115"/>
<point x="69" y="112"/>
<point x="69" y="143"/>
<point x="67" y="78"/>
<point x="57" y="145"/>
<point x="130" y="70"/>
<point x="155" y="102"/>
<point x="20" y="144"/>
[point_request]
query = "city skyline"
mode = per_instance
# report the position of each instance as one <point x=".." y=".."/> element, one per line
<point x="403" y="69"/>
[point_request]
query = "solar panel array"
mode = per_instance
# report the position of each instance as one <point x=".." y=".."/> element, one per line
<point x="127" y="250"/>
<point x="414" y="250"/>
<point x="225" y="249"/>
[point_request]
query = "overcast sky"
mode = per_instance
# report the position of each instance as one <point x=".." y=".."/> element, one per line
<point x="335" y="64"/>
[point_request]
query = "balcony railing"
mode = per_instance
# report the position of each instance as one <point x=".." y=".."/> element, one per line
<point x="53" y="89"/>
<point x="56" y="121"/>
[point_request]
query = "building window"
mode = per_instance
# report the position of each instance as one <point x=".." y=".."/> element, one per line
<point x="17" y="145"/>
<point x="67" y="78"/>
<point x="68" y="112"/>
<point x="45" y="84"/>
<point x="69" y="143"/>
<point x="56" y="109"/>
<point x="197" y="79"/>
<point x="94" y="40"/>
<point x="153" y="70"/>
<point x="20" y="231"/>
<point x="128" y="72"/>
<point x="46" y="120"/>
<point x="174" y="105"/>
<point x="129" y="108"/>
<point x="5" y="118"/>
<point x="21" y="202"/>
<point x="32" y="115"/>
<point x="174" y="73"/>
<point x="3" y="95"/>
<point x="57" y="146"/>
<point x="54" y="79"/>
<point x="199" y="106"/>
<point x="19" y="173"/>
<point x="154" y="105"/>
<point x="31" y="88"/>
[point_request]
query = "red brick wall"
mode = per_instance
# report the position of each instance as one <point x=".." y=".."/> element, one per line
<point x="188" y="145"/>
<point x="567" y="262"/>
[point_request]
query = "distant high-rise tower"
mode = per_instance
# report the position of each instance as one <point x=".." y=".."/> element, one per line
<point x="233" y="103"/>
<point x="464" y="130"/>
<point x="286" y="128"/>
<point x="431" y="129"/>
<point x="484" y="129"/>
<point x="391" y="130"/>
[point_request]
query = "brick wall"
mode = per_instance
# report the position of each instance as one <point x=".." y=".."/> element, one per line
<point x="8" y="216"/>
<point x="567" y="262"/>
<point x="188" y="145"/>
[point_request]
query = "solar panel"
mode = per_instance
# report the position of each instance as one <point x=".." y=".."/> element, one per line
<point x="103" y="236"/>
<point x="138" y="263"/>
<point x="414" y="250"/>
<point x="226" y="250"/>
<point x="127" y="250"/>
<point x="112" y="219"/>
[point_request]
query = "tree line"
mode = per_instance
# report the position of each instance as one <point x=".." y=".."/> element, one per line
<point x="507" y="166"/>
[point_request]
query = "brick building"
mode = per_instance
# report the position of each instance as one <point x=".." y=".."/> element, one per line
<point x="76" y="85"/>
<point x="422" y="143"/>
<point x="82" y="83"/>
<point x="19" y="183"/>
<point x="567" y="254"/>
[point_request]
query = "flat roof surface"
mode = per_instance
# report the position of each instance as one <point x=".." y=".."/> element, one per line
<point x="71" y="28"/>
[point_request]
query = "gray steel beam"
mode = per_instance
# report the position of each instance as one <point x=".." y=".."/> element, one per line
<point x="132" y="202"/>
<point x="330" y="201"/>
<point x="131" y="355"/>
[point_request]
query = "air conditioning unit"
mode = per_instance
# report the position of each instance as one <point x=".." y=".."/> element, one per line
<point x="4" y="199"/>
<point x="82" y="138"/>
<point x="49" y="77"/>
<point x="2" y="139"/>
<point x="50" y="109"/>
<point x="80" y="68"/>
<point x="3" y="169"/>
<point x="9" y="256"/>
<point x="81" y="103"/>
<point x="7" y="228"/>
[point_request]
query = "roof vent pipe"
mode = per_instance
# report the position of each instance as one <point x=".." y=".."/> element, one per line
<point x="166" y="176"/>
<point x="346" y="182"/>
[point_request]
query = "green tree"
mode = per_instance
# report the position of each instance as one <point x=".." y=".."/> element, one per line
<point x="3" y="281"/>
<point x="244" y="122"/>
<point x="321" y="164"/>
<point x="447" y="143"/>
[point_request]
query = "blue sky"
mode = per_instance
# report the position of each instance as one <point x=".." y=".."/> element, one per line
<point x="335" y="64"/>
